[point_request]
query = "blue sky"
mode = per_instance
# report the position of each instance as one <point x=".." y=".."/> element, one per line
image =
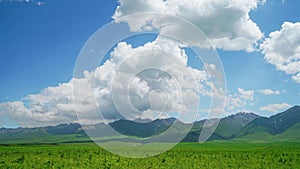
<point x="39" y="45"/>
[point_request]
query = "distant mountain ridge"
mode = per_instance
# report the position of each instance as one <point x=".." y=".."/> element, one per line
<point x="227" y="127"/>
<point x="133" y="128"/>
<point x="240" y="126"/>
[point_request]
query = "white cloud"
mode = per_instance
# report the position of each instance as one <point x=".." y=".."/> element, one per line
<point x="173" y="88"/>
<point x="296" y="77"/>
<point x="40" y="3"/>
<point x="17" y="1"/>
<point x="275" y="108"/>
<point x="52" y="105"/>
<point x="246" y="94"/>
<point x="282" y="49"/>
<point x="237" y="102"/>
<point x="269" y="92"/>
<point x="225" y="22"/>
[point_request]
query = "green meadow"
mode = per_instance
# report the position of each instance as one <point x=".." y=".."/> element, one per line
<point x="184" y="156"/>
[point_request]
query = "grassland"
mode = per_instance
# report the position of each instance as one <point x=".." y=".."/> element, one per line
<point x="183" y="156"/>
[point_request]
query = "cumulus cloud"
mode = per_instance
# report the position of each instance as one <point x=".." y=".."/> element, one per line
<point x="51" y="106"/>
<point x="225" y="22"/>
<point x="275" y="108"/>
<point x="269" y="92"/>
<point x="148" y="81"/>
<point x="282" y="49"/>
<point x="157" y="72"/>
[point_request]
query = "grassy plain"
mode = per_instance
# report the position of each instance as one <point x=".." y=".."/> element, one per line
<point x="184" y="156"/>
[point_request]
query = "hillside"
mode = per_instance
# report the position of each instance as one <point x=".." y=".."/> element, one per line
<point x="292" y="134"/>
<point x="231" y="125"/>
<point x="273" y="125"/>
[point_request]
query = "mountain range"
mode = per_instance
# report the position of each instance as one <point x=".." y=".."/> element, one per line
<point x="242" y="127"/>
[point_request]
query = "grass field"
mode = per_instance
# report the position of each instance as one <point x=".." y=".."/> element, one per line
<point x="185" y="155"/>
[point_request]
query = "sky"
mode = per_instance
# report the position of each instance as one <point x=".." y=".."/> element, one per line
<point x="40" y="41"/>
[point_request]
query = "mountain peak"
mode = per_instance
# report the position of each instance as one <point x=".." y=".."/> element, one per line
<point x="246" y="115"/>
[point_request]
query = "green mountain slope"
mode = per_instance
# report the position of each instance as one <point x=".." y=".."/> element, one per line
<point x="229" y="126"/>
<point x="291" y="134"/>
<point x="273" y="125"/>
<point x="283" y="121"/>
<point x="284" y="126"/>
